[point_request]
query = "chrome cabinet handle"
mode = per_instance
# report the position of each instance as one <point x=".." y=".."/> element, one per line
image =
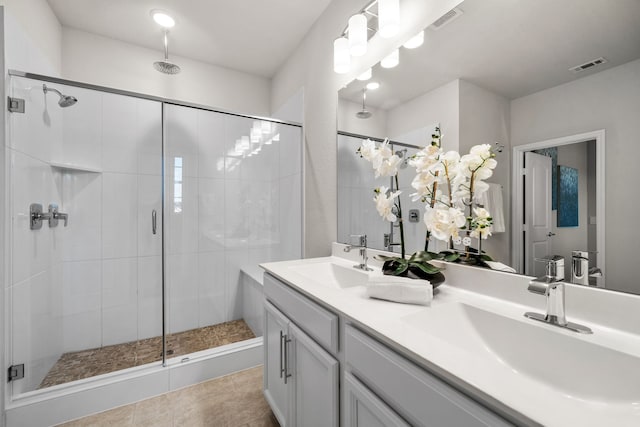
<point x="281" y="354"/>
<point x="154" y="221"/>
<point x="286" y="358"/>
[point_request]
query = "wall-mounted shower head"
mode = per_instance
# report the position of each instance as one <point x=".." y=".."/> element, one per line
<point x="165" y="66"/>
<point x="65" y="100"/>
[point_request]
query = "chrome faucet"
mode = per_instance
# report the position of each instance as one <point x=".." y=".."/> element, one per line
<point x="359" y="241"/>
<point x="580" y="271"/>
<point x="551" y="285"/>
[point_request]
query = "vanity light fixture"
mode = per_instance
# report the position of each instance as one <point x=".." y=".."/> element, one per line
<point x="341" y="56"/>
<point x="365" y="76"/>
<point x="357" y="31"/>
<point x="162" y="18"/>
<point x="392" y="60"/>
<point x="373" y="85"/>
<point x="415" y="41"/>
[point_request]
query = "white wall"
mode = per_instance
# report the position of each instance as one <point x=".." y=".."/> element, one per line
<point x="103" y="61"/>
<point x="311" y="67"/>
<point x="439" y="106"/>
<point x="484" y="119"/>
<point x="375" y="126"/>
<point x="607" y="100"/>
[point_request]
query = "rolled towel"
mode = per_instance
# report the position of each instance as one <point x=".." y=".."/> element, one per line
<point x="498" y="266"/>
<point x="400" y="289"/>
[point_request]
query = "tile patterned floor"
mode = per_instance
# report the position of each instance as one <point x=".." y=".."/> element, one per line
<point x="235" y="400"/>
<point x="88" y="363"/>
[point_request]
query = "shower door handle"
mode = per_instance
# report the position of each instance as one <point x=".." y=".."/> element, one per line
<point x="154" y="221"/>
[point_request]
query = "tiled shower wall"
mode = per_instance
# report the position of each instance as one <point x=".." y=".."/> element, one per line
<point x="98" y="281"/>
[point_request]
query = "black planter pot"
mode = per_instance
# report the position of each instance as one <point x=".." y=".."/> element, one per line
<point x="412" y="272"/>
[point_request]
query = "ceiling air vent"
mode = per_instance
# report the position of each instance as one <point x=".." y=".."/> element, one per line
<point x="588" y="65"/>
<point x="446" y="18"/>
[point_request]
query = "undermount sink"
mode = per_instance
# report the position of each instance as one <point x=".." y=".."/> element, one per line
<point x="332" y="274"/>
<point x="580" y="369"/>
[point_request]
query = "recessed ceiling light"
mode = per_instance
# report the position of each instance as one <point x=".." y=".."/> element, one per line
<point x="373" y="85"/>
<point x="162" y="18"/>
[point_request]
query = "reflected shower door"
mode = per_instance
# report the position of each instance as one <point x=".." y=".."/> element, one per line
<point x="85" y="292"/>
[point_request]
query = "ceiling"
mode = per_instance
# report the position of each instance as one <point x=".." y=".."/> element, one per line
<point x="254" y="36"/>
<point x="511" y="47"/>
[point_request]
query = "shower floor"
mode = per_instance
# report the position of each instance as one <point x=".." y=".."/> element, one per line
<point x="78" y="365"/>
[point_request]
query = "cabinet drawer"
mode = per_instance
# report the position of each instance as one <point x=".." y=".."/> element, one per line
<point x="419" y="397"/>
<point x="320" y="324"/>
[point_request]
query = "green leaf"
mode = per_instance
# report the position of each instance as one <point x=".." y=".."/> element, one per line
<point x="402" y="267"/>
<point x="451" y="256"/>
<point x="427" y="268"/>
<point x="485" y="257"/>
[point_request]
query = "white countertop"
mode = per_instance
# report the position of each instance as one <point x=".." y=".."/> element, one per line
<point x="479" y="371"/>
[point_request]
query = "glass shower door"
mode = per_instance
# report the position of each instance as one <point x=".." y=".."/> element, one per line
<point x="85" y="288"/>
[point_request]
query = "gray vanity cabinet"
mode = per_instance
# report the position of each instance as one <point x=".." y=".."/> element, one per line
<point x="362" y="408"/>
<point x="301" y="379"/>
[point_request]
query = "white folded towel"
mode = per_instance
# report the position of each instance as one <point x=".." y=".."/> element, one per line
<point x="498" y="266"/>
<point x="399" y="289"/>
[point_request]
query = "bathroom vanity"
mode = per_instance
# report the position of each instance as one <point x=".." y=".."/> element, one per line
<point x="334" y="357"/>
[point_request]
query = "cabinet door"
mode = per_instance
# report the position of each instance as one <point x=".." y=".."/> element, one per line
<point x="315" y="382"/>
<point x="275" y="388"/>
<point x="362" y="408"/>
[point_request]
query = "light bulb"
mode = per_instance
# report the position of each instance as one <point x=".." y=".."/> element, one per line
<point x="373" y="85"/>
<point x="162" y="18"/>
<point x="341" y="57"/>
<point x="365" y="76"/>
<point x="391" y="60"/>
<point x="415" y="41"/>
<point x="388" y="18"/>
<point x="358" y="35"/>
<point x="266" y="128"/>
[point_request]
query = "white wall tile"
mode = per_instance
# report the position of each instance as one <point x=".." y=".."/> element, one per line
<point x="181" y="140"/>
<point x="38" y="131"/>
<point x="32" y="183"/>
<point x="290" y="217"/>
<point x="211" y="288"/>
<point x="119" y="134"/>
<point x="181" y="210"/>
<point x="149" y="137"/>
<point x="211" y="210"/>
<point x="119" y="215"/>
<point x="82" y="305"/>
<point x="82" y="200"/>
<point x="149" y="199"/>
<point x="82" y="128"/>
<point x="211" y="144"/>
<point x="36" y="328"/>
<point x="235" y="260"/>
<point x="119" y="300"/>
<point x="237" y="213"/>
<point x="182" y="291"/>
<point x="290" y="146"/>
<point x="149" y="297"/>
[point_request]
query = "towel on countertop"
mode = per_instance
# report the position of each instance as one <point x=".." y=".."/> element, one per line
<point x="399" y="289"/>
<point x="498" y="266"/>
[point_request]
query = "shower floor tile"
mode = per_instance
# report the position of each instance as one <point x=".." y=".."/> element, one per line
<point x="88" y="363"/>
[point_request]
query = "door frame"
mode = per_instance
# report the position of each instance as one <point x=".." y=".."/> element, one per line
<point x="517" y="200"/>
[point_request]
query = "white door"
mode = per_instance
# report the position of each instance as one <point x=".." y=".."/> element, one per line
<point x="537" y="212"/>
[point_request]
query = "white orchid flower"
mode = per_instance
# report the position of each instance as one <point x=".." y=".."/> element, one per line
<point x="388" y="167"/>
<point x="368" y="149"/>
<point x="385" y="203"/>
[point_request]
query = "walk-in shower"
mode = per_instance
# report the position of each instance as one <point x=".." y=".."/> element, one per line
<point x="170" y="207"/>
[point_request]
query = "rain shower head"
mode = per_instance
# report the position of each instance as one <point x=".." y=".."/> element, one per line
<point x="165" y="66"/>
<point x="364" y="113"/>
<point x="65" y="100"/>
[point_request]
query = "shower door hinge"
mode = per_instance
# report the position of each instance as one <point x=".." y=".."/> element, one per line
<point x="16" y="372"/>
<point x="16" y="105"/>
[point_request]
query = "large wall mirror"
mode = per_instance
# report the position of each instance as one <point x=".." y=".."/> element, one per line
<point x="557" y="84"/>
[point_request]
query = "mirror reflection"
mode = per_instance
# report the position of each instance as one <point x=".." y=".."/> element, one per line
<point x="558" y="85"/>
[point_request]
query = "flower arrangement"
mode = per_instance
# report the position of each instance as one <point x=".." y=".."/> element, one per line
<point x="449" y="185"/>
